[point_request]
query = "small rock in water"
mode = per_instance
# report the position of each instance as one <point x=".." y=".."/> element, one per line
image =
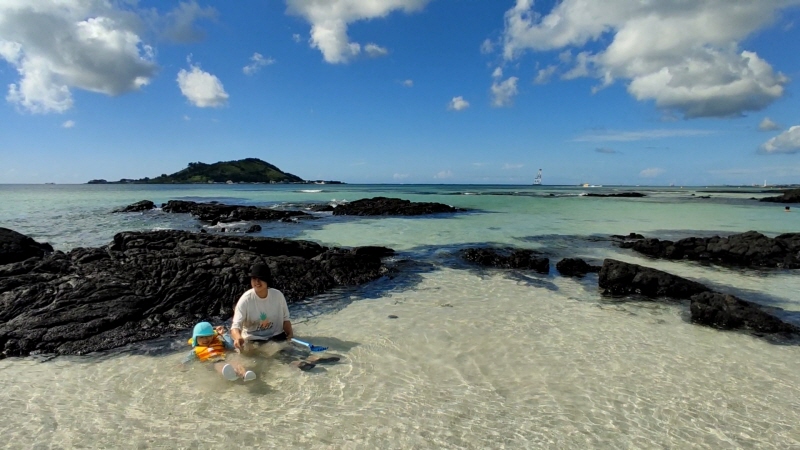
<point x="392" y="316"/>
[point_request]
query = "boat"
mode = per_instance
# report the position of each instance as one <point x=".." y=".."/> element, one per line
<point x="538" y="180"/>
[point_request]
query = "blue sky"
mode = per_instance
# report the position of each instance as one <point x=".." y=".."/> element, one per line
<point x="700" y="92"/>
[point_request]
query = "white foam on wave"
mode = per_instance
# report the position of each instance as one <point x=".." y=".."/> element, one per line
<point x="310" y="190"/>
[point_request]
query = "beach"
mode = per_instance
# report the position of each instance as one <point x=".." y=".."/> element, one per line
<point x="475" y="358"/>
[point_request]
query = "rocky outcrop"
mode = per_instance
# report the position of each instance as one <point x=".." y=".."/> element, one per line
<point x="618" y="194"/>
<point x="507" y="258"/>
<point x="383" y="206"/>
<point x="15" y="247"/>
<point x="750" y="249"/>
<point x="144" y="205"/>
<point x="790" y="196"/>
<point x="220" y="213"/>
<point x="575" y="267"/>
<point x="727" y="312"/>
<point x="621" y="278"/>
<point x="707" y="307"/>
<point x="147" y="284"/>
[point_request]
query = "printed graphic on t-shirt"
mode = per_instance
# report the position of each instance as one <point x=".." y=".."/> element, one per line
<point x="265" y="324"/>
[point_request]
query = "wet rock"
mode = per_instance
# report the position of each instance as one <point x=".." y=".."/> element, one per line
<point x="790" y="196"/>
<point x="575" y="267"/>
<point x="220" y="213"/>
<point x="383" y="206"/>
<point x="253" y="229"/>
<point x="320" y="207"/>
<point x="621" y="278"/>
<point x="732" y="313"/>
<point x="750" y="249"/>
<point x="144" y="205"/>
<point x="507" y="258"/>
<point x="16" y="247"/>
<point x="150" y="284"/>
<point x="618" y="194"/>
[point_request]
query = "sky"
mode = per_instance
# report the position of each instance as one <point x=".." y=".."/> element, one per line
<point x="612" y="92"/>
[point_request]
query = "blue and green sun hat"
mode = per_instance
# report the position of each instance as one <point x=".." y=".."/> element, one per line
<point x="200" y="330"/>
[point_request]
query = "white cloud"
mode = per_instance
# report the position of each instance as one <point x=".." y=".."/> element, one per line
<point x="408" y="83"/>
<point x="329" y="20"/>
<point x="768" y="125"/>
<point x="786" y="142"/>
<point x="180" y="23"/>
<point x="201" y="88"/>
<point x="606" y="150"/>
<point x="543" y="75"/>
<point x="443" y="175"/>
<point x="68" y="124"/>
<point x="512" y="166"/>
<point x="503" y="92"/>
<point x="682" y="55"/>
<point x="375" y="50"/>
<point x="629" y="136"/>
<point x="257" y="61"/>
<point x="296" y="37"/>
<point x="57" y="46"/>
<point x="651" y="173"/>
<point x="498" y="73"/>
<point x="487" y="47"/>
<point x="458" y="104"/>
<point x="400" y="176"/>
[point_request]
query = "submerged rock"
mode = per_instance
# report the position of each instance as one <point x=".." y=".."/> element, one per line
<point x="732" y="313"/>
<point x="383" y="206"/>
<point x="144" y="205"/>
<point x="507" y="258"/>
<point x="575" y="267"/>
<point x="750" y="249"/>
<point x="220" y="213"/>
<point x="16" y="247"/>
<point x="618" y="194"/>
<point x="148" y="284"/>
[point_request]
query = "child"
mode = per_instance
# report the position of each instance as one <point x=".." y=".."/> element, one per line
<point x="211" y="344"/>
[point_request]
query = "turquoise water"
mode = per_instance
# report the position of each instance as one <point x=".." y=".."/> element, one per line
<point x="477" y="358"/>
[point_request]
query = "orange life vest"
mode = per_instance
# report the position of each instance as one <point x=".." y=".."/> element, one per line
<point x="214" y="352"/>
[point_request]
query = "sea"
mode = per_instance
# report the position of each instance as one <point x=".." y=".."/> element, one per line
<point x="444" y="355"/>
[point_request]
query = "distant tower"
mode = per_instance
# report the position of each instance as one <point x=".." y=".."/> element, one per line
<point x="538" y="180"/>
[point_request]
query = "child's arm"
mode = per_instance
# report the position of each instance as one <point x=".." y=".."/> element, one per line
<point x="189" y="358"/>
<point x="228" y="341"/>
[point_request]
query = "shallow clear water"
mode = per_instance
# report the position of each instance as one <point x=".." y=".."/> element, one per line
<point x="475" y="359"/>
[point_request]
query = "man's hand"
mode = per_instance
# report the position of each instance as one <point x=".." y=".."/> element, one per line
<point x="220" y="329"/>
<point x="239" y="343"/>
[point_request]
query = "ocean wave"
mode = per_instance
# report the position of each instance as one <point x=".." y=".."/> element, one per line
<point x="310" y="190"/>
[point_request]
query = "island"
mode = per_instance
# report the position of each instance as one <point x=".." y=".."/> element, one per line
<point x="248" y="170"/>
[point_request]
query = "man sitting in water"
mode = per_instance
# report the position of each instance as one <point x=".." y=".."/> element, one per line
<point x="261" y="315"/>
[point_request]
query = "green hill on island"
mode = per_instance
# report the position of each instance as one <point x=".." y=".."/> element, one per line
<point x="249" y="170"/>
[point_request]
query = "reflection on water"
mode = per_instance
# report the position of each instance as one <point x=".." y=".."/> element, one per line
<point x="470" y="362"/>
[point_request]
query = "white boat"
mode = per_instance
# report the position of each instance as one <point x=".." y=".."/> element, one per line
<point x="538" y="180"/>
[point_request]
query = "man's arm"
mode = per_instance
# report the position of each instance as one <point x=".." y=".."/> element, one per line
<point x="236" y="325"/>
<point x="287" y="328"/>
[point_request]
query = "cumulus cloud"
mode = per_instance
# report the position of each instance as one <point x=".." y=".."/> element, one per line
<point x="202" y="89"/>
<point x="296" y="37"/>
<point x="443" y="175"/>
<point x="684" y="56"/>
<point x="768" y="125"/>
<point x="458" y="104"/>
<point x="487" y="47"/>
<point x="375" y="50"/>
<point x="59" y="46"/>
<point x="408" y="83"/>
<point x="329" y="20"/>
<point x="651" y="173"/>
<point x="257" y="61"/>
<point x="503" y="92"/>
<point x="786" y="142"/>
<point x="68" y="124"/>
<point x="543" y="75"/>
<point x="180" y="23"/>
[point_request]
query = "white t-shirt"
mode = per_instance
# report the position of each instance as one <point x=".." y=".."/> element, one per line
<point x="253" y="312"/>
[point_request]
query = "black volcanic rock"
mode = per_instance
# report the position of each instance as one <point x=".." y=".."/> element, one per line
<point x="619" y="194"/>
<point x="621" y="278"/>
<point x="221" y="213"/>
<point x="750" y="249"/>
<point x="149" y="284"/>
<point x="144" y="205"/>
<point x="575" y="267"/>
<point x="507" y="258"/>
<point x="790" y="196"/>
<point x="15" y="247"/>
<point x="383" y="206"/>
<point x="730" y="313"/>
